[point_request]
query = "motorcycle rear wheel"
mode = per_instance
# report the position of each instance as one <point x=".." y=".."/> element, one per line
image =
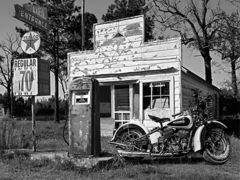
<point x="127" y="137"/>
<point x="218" y="148"/>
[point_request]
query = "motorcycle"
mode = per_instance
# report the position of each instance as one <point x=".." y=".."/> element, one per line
<point x="188" y="133"/>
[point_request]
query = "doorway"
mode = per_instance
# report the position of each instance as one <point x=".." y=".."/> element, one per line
<point x="122" y="110"/>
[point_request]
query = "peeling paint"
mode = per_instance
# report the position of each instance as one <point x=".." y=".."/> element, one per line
<point x="127" y="53"/>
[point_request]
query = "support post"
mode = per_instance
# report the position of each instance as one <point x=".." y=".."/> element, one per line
<point x="33" y="124"/>
<point x="33" y="118"/>
<point x="83" y="25"/>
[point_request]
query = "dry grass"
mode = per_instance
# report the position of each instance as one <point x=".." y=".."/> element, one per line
<point x="18" y="166"/>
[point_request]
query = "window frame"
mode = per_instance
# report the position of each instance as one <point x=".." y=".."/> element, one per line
<point x="160" y="95"/>
<point x="171" y="80"/>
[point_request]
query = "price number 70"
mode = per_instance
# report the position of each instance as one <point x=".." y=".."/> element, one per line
<point x="26" y="80"/>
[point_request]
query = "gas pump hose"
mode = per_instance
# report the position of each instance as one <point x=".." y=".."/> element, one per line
<point x="64" y="129"/>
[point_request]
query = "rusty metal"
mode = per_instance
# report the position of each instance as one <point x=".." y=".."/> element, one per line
<point x="84" y="119"/>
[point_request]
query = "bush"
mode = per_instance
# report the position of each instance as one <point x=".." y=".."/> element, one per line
<point x="229" y="104"/>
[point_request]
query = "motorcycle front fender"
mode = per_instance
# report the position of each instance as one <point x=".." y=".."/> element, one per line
<point x="199" y="136"/>
<point x="129" y="125"/>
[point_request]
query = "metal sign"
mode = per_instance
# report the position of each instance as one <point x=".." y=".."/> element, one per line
<point x="31" y="18"/>
<point x="39" y="11"/>
<point x="30" y="42"/>
<point x="25" y="76"/>
<point x="43" y="78"/>
<point x="31" y="77"/>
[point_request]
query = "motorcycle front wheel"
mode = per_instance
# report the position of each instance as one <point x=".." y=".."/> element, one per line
<point x="218" y="148"/>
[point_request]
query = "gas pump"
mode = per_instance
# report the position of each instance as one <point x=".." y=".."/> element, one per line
<point x="84" y="117"/>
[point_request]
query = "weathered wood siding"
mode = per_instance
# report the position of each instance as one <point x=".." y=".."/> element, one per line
<point x="191" y="82"/>
<point x="120" y="48"/>
<point x="121" y="55"/>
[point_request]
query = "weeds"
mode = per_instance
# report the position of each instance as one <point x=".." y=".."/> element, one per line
<point x="117" y="168"/>
<point x="12" y="134"/>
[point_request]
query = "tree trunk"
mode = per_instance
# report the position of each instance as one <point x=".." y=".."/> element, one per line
<point x="207" y="63"/>
<point x="9" y="98"/>
<point x="234" y="78"/>
<point x="56" y="65"/>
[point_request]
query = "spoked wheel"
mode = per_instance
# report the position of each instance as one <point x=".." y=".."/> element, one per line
<point x="129" y="138"/>
<point x="218" y="147"/>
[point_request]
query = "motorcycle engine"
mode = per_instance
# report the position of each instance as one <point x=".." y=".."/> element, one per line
<point x="173" y="141"/>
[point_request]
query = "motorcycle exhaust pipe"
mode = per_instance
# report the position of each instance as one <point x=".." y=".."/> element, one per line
<point x="142" y="154"/>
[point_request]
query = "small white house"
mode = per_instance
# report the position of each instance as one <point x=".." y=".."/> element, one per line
<point x="137" y="78"/>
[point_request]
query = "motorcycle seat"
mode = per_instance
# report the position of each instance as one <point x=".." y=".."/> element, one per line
<point x="157" y="119"/>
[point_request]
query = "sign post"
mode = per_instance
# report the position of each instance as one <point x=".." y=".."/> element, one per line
<point x="34" y="125"/>
<point x="32" y="75"/>
<point x="32" y="78"/>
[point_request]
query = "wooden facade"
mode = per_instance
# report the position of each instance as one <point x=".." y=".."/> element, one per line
<point x="190" y="83"/>
<point x="136" y="78"/>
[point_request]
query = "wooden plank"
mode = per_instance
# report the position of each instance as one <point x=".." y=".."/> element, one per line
<point x="177" y="110"/>
<point x="110" y="52"/>
<point x="76" y="71"/>
<point x="125" y="64"/>
<point x="132" y="67"/>
<point x="188" y="84"/>
<point x="141" y="101"/>
<point x="137" y="78"/>
<point x="131" y="99"/>
<point x="127" y="60"/>
<point x="112" y="102"/>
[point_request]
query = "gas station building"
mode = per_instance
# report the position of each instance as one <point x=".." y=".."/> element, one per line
<point x="138" y="78"/>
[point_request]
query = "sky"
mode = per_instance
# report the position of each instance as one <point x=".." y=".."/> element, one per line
<point x="8" y="22"/>
<point x="191" y="58"/>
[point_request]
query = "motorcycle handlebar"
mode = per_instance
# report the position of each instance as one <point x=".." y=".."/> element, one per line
<point x="176" y="114"/>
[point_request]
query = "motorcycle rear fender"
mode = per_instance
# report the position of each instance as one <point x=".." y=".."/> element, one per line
<point x="130" y="125"/>
<point x="199" y="137"/>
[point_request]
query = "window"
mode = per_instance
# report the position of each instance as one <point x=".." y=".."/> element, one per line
<point x="122" y="98"/>
<point x="156" y="95"/>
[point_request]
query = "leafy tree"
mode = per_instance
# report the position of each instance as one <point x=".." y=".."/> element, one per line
<point x="45" y="107"/>
<point x="195" y="20"/>
<point x="228" y="45"/>
<point x="21" y="107"/>
<point x="4" y="100"/>
<point x="64" y="36"/>
<point x="229" y="103"/>
<point x="128" y="8"/>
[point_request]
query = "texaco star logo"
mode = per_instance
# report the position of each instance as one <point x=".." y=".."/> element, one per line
<point x="30" y="42"/>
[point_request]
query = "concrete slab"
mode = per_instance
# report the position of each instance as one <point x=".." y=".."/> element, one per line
<point x="87" y="162"/>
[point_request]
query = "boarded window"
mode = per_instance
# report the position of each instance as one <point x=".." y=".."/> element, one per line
<point x="122" y="98"/>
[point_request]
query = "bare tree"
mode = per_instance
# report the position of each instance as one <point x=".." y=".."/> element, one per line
<point x="9" y="49"/>
<point x="228" y="45"/>
<point x="195" y="20"/>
